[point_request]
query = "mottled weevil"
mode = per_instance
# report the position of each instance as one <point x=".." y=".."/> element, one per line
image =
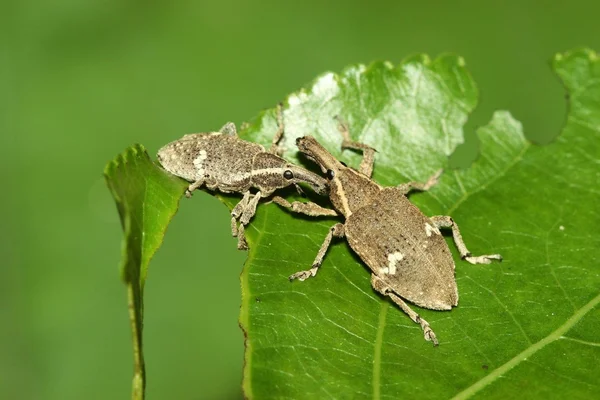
<point x="222" y="161"/>
<point x="408" y="257"/>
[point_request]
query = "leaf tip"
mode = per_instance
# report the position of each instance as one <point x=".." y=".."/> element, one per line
<point x="123" y="158"/>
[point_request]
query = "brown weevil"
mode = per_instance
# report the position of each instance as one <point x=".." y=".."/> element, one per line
<point x="408" y="257"/>
<point x="222" y="161"/>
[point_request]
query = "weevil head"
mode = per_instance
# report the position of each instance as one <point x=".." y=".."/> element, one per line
<point x="349" y="190"/>
<point x="271" y="172"/>
<point x="312" y="149"/>
<point x="334" y="170"/>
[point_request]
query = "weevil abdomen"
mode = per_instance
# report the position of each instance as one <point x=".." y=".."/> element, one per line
<point x="404" y="248"/>
<point x="222" y="160"/>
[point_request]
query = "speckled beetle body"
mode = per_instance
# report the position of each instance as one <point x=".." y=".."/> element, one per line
<point x="224" y="162"/>
<point x="408" y="257"/>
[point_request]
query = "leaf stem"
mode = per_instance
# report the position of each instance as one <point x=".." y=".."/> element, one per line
<point x="138" y="386"/>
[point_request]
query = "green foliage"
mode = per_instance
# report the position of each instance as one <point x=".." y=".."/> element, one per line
<point x="147" y="198"/>
<point x="525" y="327"/>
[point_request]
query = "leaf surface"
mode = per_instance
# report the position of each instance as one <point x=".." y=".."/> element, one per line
<point x="146" y="198"/>
<point x="527" y="327"/>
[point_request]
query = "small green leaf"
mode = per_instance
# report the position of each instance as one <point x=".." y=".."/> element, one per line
<point x="524" y="328"/>
<point x="147" y="198"/>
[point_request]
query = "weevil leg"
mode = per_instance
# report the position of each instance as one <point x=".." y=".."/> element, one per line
<point x="420" y="186"/>
<point x="366" y="165"/>
<point x="308" y="208"/>
<point x="250" y="209"/>
<point x="442" y="221"/>
<point x="383" y="288"/>
<point x="247" y="209"/>
<point x="242" y="243"/>
<point x="299" y="190"/>
<point x="234" y="227"/>
<point x="336" y="230"/>
<point x="237" y="212"/>
<point x="192" y="187"/>
<point x="239" y="208"/>
<point x="229" y="129"/>
<point x="275" y="148"/>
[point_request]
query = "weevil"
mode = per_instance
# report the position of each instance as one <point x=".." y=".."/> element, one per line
<point x="404" y="249"/>
<point x="224" y="162"/>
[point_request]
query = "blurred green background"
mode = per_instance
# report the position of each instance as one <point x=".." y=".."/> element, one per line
<point x="82" y="80"/>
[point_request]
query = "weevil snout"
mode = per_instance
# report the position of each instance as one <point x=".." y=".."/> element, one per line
<point x="270" y="172"/>
<point x="317" y="183"/>
<point x="295" y="175"/>
<point x="309" y="146"/>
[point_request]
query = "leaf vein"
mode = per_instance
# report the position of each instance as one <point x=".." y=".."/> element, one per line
<point x="377" y="354"/>
<point x="529" y="351"/>
<point x="506" y="309"/>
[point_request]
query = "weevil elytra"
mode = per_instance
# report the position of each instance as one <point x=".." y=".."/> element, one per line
<point x="222" y="161"/>
<point x="408" y="257"/>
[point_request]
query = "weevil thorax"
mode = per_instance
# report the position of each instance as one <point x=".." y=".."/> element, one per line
<point x="349" y="190"/>
<point x="271" y="172"/>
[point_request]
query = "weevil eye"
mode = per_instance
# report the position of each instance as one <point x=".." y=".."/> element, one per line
<point x="330" y="174"/>
<point x="287" y="174"/>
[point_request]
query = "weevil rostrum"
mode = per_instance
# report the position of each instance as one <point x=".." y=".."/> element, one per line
<point x="222" y="161"/>
<point x="408" y="257"/>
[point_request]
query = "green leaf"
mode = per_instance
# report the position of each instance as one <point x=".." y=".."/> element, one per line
<point x="526" y="328"/>
<point x="147" y="198"/>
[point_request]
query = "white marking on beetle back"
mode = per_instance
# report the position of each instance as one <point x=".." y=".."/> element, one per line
<point x="429" y="229"/>
<point x="393" y="258"/>
<point x="198" y="163"/>
<point x="266" y="171"/>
